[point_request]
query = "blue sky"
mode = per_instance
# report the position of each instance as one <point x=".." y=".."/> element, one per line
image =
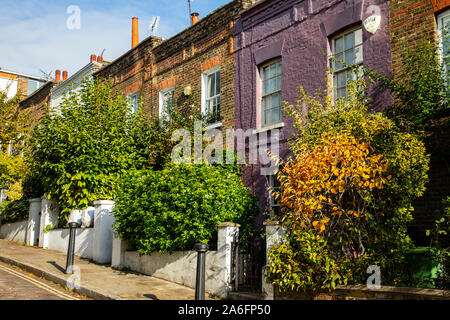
<point x="34" y="33"/>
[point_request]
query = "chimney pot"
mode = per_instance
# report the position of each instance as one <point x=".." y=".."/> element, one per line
<point x="99" y="59"/>
<point x="64" y="75"/>
<point x="93" y="57"/>
<point x="135" y="32"/>
<point x="194" y="18"/>
<point x="58" y="75"/>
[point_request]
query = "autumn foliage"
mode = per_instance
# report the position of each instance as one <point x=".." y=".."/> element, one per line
<point x="346" y="194"/>
<point x="331" y="183"/>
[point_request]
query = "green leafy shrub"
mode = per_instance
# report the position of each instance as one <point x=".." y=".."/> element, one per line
<point x="16" y="211"/>
<point x="172" y="209"/>
<point x="422" y="93"/>
<point x="80" y="151"/>
<point x="12" y="170"/>
<point x="304" y="263"/>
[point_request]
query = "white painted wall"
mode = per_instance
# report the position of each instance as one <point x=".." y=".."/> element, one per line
<point x="10" y="85"/>
<point x="181" y="267"/>
<point x="34" y="222"/>
<point x="59" y="239"/>
<point x="16" y="231"/>
<point x="72" y="84"/>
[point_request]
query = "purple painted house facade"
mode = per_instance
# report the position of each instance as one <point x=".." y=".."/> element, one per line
<point x="283" y="44"/>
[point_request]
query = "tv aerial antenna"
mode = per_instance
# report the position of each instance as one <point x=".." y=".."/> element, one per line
<point x="47" y="75"/>
<point x="101" y="55"/>
<point x="190" y="11"/>
<point x="153" y="26"/>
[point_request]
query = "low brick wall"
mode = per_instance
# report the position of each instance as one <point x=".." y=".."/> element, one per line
<point x="360" y="292"/>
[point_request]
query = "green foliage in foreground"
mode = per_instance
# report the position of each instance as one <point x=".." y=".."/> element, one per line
<point x="172" y="209"/>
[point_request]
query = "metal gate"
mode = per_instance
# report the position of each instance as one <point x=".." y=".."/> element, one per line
<point x="246" y="268"/>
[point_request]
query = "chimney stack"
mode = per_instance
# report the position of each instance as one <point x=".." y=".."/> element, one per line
<point x="135" y="33"/>
<point x="64" y="75"/>
<point x="194" y="18"/>
<point x="93" y="57"/>
<point x="58" y="75"/>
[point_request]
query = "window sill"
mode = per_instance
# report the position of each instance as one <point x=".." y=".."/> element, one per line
<point x="268" y="128"/>
<point x="214" y="126"/>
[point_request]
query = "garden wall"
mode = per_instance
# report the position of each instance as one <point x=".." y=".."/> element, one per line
<point x="180" y="267"/>
<point x="58" y="240"/>
<point x="91" y="243"/>
<point x="16" y="231"/>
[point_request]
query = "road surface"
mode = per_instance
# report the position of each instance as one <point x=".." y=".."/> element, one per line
<point x="16" y="284"/>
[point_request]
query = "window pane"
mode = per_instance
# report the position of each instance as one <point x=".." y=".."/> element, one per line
<point x="349" y="57"/>
<point x="273" y="70"/>
<point x="358" y="54"/>
<point x="349" y="40"/>
<point x="279" y="83"/>
<point x="272" y="84"/>
<point x="32" y="86"/>
<point x="217" y="82"/>
<point x="279" y="68"/>
<point x="266" y="87"/>
<point x="358" y="37"/>
<point x="339" y="45"/>
<point x="338" y="64"/>
<point x="211" y="85"/>
<point x="276" y="115"/>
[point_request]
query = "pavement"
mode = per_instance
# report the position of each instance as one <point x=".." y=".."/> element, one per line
<point x="95" y="281"/>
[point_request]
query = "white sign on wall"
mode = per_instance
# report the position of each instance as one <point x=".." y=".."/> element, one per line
<point x="372" y="23"/>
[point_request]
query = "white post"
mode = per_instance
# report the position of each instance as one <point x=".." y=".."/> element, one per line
<point x="103" y="231"/>
<point x="118" y="252"/>
<point x="274" y="235"/>
<point x="32" y="235"/>
<point x="227" y="232"/>
<point x="49" y="216"/>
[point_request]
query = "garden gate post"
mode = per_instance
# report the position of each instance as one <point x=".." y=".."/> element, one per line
<point x="118" y="252"/>
<point x="103" y="231"/>
<point x="274" y="235"/>
<point x="49" y="216"/>
<point x="34" y="219"/>
<point x="227" y="233"/>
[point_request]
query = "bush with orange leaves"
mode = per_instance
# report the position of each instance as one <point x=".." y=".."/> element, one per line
<point x="331" y="186"/>
<point x="345" y="195"/>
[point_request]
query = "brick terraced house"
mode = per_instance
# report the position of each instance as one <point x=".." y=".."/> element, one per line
<point x="199" y="60"/>
<point x="283" y="44"/>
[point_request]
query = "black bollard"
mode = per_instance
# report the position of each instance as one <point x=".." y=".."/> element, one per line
<point x="71" y="248"/>
<point x="201" y="248"/>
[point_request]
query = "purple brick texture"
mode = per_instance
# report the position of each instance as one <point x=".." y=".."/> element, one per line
<point x="300" y="32"/>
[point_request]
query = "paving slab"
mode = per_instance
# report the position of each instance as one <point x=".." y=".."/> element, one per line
<point x="96" y="281"/>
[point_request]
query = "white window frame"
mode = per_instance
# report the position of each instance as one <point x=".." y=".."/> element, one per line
<point x="440" y="17"/>
<point x="264" y="125"/>
<point x="205" y="76"/>
<point x="333" y="53"/>
<point x="130" y="96"/>
<point x="161" y="100"/>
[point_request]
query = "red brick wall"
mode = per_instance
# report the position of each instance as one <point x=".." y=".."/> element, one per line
<point x="180" y="61"/>
<point x="413" y="21"/>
